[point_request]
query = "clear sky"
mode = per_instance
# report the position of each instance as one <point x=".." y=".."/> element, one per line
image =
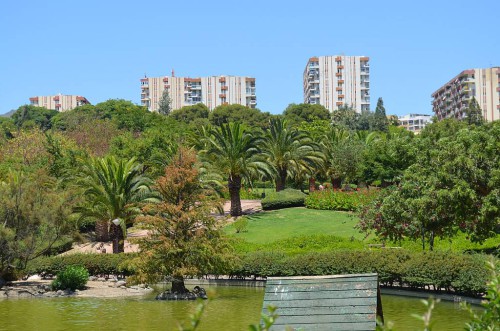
<point x="100" y="49"/>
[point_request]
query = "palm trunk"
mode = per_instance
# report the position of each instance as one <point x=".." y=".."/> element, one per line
<point x="234" y="186"/>
<point x="118" y="239"/>
<point x="101" y="230"/>
<point x="312" y="184"/>
<point x="281" y="180"/>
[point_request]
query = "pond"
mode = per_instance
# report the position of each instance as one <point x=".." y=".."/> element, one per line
<point x="234" y="309"/>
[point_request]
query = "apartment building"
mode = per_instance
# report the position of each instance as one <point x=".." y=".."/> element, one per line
<point x="451" y="99"/>
<point x="414" y="122"/>
<point x="212" y="91"/>
<point x="59" y="102"/>
<point x="338" y="80"/>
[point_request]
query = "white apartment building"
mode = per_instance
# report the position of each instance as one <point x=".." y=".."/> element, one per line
<point x="212" y="91"/>
<point x="59" y="102"/>
<point x="334" y="81"/>
<point x="414" y="122"/>
<point x="451" y="99"/>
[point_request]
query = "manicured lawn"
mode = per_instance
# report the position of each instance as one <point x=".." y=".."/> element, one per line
<point x="269" y="226"/>
<point x="280" y="226"/>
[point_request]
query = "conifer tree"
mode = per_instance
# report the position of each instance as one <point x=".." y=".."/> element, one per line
<point x="165" y="103"/>
<point x="380" y="121"/>
<point x="474" y="113"/>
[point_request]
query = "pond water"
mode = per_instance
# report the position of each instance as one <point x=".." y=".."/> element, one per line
<point x="234" y="309"/>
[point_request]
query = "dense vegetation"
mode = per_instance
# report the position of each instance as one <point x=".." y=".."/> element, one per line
<point x="73" y="173"/>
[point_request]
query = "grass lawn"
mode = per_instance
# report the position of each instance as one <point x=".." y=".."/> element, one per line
<point x="280" y="226"/>
<point x="269" y="226"/>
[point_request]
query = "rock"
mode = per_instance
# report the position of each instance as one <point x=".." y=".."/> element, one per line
<point x="101" y="279"/>
<point x="34" y="277"/>
<point x="60" y="292"/>
<point x="92" y="278"/>
<point x="198" y="292"/>
<point x="141" y="286"/>
<point x="120" y="283"/>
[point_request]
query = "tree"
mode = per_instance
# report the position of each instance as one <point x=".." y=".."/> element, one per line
<point x="165" y="103"/>
<point x="288" y="151"/>
<point x="234" y="152"/>
<point x="250" y="117"/>
<point x="34" y="215"/>
<point x="183" y="239"/>
<point x="304" y="112"/>
<point x="40" y="117"/>
<point x="452" y="186"/>
<point x="188" y="114"/>
<point x="112" y="188"/>
<point x="474" y="114"/>
<point x="346" y="117"/>
<point x="381" y="123"/>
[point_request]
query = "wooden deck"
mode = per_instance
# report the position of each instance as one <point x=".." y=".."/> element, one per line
<point x="338" y="302"/>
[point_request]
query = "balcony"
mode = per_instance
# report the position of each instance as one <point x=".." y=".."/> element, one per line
<point x="223" y="88"/>
<point x="338" y="74"/>
<point x="222" y="96"/>
<point x="196" y="87"/>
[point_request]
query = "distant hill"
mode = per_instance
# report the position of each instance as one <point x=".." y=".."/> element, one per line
<point x="9" y="114"/>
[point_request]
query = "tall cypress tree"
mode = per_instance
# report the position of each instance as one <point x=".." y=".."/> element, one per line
<point x="381" y="123"/>
<point x="474" y="113"/>
<point x="165" y="103"/>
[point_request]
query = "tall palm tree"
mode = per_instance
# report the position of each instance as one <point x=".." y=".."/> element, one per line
<point x="112" y="188"/>
<point x="234" y="152"/>
<point x="290" y="152"/>
<point x="331" y="144"/>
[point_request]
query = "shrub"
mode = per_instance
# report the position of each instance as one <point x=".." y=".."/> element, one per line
<point x="241" y="224"/>
<point x="71" y="278"/>
<point x="96" y="264"/>
<point x="283" y="199"/>
<point x="339" y="200"/>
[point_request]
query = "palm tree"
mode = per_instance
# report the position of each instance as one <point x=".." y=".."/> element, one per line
<point x="290" y="152"/>
<point x="112" y="188"/>
<point x="331" y="144"/>
<point x="234" y="152"/>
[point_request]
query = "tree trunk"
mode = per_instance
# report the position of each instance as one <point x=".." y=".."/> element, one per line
<point x="234" y="186"/>
<point x="178" y="285"/>
<point x="336" y="183"/>
<point x="431" y="241"/>
<point x="281" y="180"/>
<point x="101" y="230"/>
<point x="312" y="184"/>
<point x="118" y="239"/>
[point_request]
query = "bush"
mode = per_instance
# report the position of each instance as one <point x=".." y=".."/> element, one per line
<point x="283" y="199"/>
<point x="241" y="224"/>
<point x="96" y="264"/>
<point x="442" y="272"/>
<point x="71" y="278"/>
<point x="339" y="200"/>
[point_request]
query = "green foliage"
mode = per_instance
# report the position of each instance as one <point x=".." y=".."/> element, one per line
<point x="71" y="278"/>
<point x="28" y="116"/>
<point x="188" y="114"/>
<point x="345" y="117"/>
<point x="474" y="114"/>
<point x="165" y="103"/>
<point x="95" y="264"/>
<point x="283" y="199"/>
<point x="395" y="268"/>
<point x="240" y="225"/>
<point x="34" y="214"/>
<point x="339" y="200"/>
<point x="250" y="117"/>
<point x="489" y="319"/>
<point x="304" y="112"/>
<point x="381" y="123"/>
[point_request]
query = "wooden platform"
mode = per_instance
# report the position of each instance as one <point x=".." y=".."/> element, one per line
<point x="338" y="302"/>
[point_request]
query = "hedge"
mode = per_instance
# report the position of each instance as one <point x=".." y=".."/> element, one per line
<point x="465" y="274"/>
<point x="283" y="199"/>
<point x="96" y="264"/>
<point x="339" y="200"/>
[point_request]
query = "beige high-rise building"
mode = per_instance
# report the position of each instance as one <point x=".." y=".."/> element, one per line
<point x="59" y="102"/>
<point x="451" y="99"/>
<point x="338" y="80"/>
<point x="212" y="91"/>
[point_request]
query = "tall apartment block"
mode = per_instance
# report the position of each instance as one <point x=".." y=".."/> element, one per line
<point x="334" y="81"/>
<point x="451" y="99"/>
<point x="59" y="102"/>
<point x="212" y="91"/>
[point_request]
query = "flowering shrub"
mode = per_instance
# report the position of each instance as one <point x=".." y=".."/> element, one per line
<point x="339" y="200"/>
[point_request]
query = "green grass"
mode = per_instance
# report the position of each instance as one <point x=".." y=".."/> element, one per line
<point x="297" y="230"/>
<point x="270" y="226"/>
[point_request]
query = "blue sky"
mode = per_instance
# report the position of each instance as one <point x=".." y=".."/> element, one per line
<point x="100" y="49"/>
